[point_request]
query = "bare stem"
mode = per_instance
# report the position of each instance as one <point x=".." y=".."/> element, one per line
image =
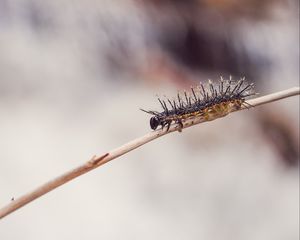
<point x="97" y="161"/>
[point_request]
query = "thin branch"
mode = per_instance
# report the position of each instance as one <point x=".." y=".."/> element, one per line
<point x="106" y="157"/>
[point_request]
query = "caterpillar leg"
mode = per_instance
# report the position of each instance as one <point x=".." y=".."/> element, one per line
<point x="179" y="126"/>
<point x="169" y="124"/>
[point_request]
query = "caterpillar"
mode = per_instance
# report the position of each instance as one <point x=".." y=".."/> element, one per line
<point x="206" y="101"/>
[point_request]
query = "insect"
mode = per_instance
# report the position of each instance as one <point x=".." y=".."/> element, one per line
<point x="205" y="101"/>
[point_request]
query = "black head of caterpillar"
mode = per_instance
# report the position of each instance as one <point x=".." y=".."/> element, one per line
<point x="206" y="101"/>
<point x="155" y="122"/>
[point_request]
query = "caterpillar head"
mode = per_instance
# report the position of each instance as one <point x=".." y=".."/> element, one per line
<point x="154" y="122"/>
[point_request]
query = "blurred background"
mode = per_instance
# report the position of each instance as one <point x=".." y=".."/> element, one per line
<point x="73" y="75"/>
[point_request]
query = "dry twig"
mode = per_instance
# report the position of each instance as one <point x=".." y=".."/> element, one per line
<point x="106" y="157"/>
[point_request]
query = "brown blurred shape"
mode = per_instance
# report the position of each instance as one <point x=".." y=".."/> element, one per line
<point x="282" y="134"/>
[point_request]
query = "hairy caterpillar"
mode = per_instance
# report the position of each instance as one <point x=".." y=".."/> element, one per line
<point x="205" y="101"/>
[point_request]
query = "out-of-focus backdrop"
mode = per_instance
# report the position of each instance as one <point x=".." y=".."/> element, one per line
<point x="73" y="75"/>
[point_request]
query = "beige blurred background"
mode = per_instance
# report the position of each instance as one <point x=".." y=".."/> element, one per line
<point x="73" y="75"/>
